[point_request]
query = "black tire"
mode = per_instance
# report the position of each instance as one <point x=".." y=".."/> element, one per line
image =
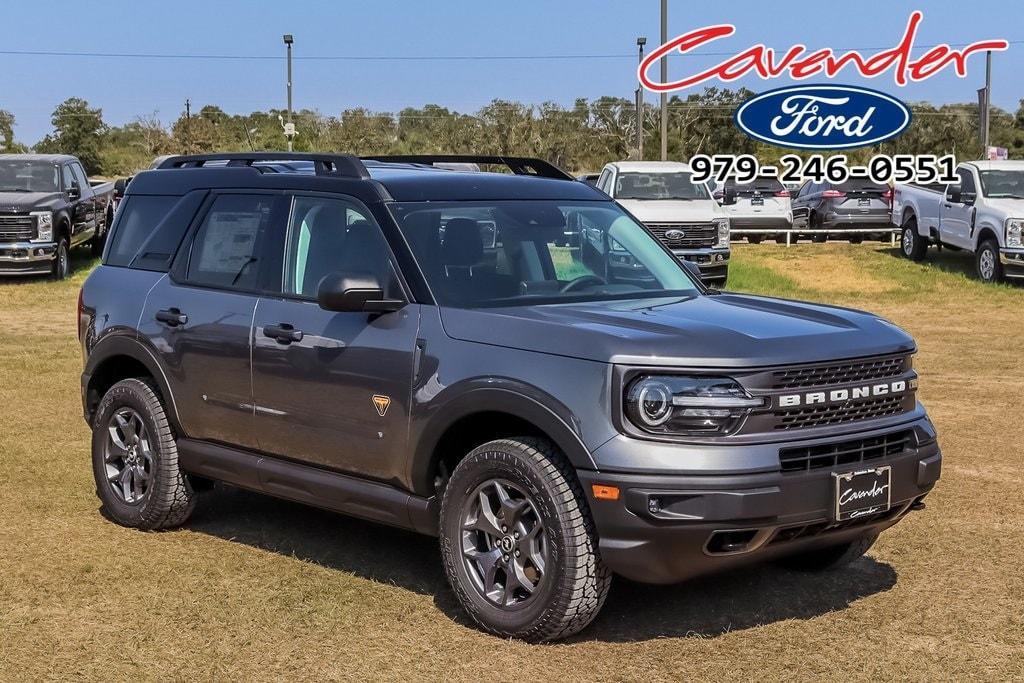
<point x="913" y="245"/>
<point x="833" y="557"/>
<point x="100" y="238"/>
<point x="856" y="239"/>
<point x="986" y="262"/>
<point x="755" y="239"/>
<point x="61" y="267"/>
<point x="814" y="223"/>
<point x="168" y="498"/>
<point x="574" y="582"/>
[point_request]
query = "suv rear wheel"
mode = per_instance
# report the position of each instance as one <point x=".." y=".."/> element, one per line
<point x="833" y="557"/>
<point x="518" y="544"/>
<point x="135" y="460"/>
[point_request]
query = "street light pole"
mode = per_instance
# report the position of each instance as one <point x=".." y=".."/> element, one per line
<point x="640" y="42"/>
<point x="289" y="129"/>
<point x="664" y="79"/>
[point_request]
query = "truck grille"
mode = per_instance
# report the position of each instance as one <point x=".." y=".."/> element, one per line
<point x="16" y="228"/>
<point x="695" y="235"/>
<point x="841" y="373"/>
<point x="819" y="416"/>
<point x="805" y="458"/>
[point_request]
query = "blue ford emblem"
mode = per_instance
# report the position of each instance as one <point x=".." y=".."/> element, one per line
<point x="822" y="117"/>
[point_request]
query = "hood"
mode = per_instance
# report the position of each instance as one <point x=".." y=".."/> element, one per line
<point x="23" y="202"/>
<point x="673" y="211"/>
<point x="713" y="331"/>
<point x="1013" y="208"/>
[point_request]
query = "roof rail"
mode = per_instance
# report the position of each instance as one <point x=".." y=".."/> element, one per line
<point x="344" y="165"/>
<point x="518" y="165"/>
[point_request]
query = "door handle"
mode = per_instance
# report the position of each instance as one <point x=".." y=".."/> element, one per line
<point x="947" y="206"/>
<point x="171" y="317"/>
<point x="283" y="333"/>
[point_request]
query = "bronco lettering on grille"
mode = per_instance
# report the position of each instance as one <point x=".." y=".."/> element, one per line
<point x="845" y="394"/>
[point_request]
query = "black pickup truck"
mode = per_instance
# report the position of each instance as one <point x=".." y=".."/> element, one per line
<point x="48" y="206"/>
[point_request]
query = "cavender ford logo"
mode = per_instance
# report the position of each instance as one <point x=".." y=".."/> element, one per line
<point x="846" y="394"/>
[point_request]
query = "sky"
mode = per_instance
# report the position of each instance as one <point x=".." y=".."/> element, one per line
<point x="595" y="39"/>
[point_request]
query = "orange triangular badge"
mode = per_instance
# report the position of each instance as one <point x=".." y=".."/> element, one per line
<point x="381" y="403"/>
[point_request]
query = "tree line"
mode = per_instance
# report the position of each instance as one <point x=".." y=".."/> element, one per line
<point x="581" y="137"/>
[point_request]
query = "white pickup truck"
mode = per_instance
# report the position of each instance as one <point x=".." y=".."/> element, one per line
<point x="679" y="212"/>
<point x="983" y="213"/>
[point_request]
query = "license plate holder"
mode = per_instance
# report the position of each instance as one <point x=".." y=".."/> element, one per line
<point x="757" y="201"/>
<point x="861" y="493"/>
<point x="863" y="202"/>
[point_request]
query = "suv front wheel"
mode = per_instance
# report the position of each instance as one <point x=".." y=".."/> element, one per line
<point x="518" y="543"/>
<point x="135" y="460"/>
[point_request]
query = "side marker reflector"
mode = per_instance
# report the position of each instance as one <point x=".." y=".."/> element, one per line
<point x="603" y="492"/>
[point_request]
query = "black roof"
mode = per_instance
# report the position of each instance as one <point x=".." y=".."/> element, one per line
<point x="381" y="179"/>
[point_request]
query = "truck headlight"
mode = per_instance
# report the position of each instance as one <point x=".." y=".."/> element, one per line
<point x="1015" y="232"/>
<point x="723" y="233"/>
<point x="44" y="226"/>
<point x="688" y="406"/>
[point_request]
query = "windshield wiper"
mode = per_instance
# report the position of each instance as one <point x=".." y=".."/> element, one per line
<point x="14" y="189"/>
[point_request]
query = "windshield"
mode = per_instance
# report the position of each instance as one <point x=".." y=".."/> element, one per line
<point x="28" y="176"/>
<point x="1002" y="184"/>
<point x="514" y="253"/>
<point x="659" y="186"/>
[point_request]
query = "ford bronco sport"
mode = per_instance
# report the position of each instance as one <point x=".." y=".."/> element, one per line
<point x="410" y="345"/>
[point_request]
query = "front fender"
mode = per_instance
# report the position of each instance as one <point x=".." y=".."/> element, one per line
<point x="498" y="395"/>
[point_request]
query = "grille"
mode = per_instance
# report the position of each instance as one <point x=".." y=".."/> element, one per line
<point x="16" y="228"/>
<point x="805" y="458"/>
<point x="696" y="235"/>
<point x="840" y="373"/>
<point x="839" y="414"/>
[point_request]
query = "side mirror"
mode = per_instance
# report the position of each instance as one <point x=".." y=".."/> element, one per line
<point x="692" y="268"/>
<point x="356" y="293"/>
<point x="953" y="194"/>
<point x="729" y="196"/>
<point x="120" y="185"/>
<point x="74" y="192"/>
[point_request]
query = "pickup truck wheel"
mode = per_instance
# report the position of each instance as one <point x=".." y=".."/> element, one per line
<point x="135" y="460"/>
<point x="912" y="244"/>
<point x="61" y="261"/>
<point x="518" y="544"/>
<point x="987" y="262"/>
<point x="100" y="238"/>
<point x="833" y="557"/>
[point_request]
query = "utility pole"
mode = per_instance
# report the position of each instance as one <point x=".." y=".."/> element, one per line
<point x="289" y="128"/>
<point x="988" y="100"/>
<point x="188" y="126"/>
<point x="640" y="42"/>
<point x="664" y="79"/>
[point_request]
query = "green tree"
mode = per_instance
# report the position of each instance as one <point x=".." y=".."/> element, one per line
<point x="78" y="130"/>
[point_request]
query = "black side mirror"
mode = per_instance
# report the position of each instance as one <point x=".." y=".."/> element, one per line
<point x="692" y="268"/>
<point x="358" y="293"/>
<point x="729" y="196"/>
<point x="120" y="185"/>
<point x="74" y="192"/>
<point x="953" y="194"/>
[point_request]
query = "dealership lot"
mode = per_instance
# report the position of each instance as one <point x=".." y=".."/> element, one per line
<point x="256" y="588"/>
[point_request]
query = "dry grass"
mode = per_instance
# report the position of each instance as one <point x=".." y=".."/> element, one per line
<point x="254" y="588"/>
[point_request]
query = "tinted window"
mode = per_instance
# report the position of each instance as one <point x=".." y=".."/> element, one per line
<point x="761" y="186"/>
<point x="137" y="218"/>
<point x="83" y="182"/>
<point x="332" y="236"/>
<point x="225" y="252"/>
<point x="28" y="176"/>
<point x="69" y="177"/>
<point x="659" y="186"/>
<point x="966" y="180"/>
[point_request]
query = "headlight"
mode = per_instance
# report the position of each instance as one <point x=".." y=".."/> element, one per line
<point x="44" y="226"/>
<point x="723" y="232"/>
<point x="1014" y="230"/>
<point x="675" y="404"/>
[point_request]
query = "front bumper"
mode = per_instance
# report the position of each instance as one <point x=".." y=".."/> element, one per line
<point x="1013" y="262"/>
<point x="666" y="528"/>
<point x="713" y="263"/>
<point x="26" y="258"/>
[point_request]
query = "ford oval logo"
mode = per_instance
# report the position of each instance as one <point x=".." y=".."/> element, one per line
<point x="822" y="117"/>
<point x="674" y="234"/>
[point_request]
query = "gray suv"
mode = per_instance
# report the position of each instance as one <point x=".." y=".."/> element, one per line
<point x="854" y="209"/>
<point x="417" y="346"/>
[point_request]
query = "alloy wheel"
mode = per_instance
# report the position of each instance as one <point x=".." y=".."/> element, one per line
<point x="128" y="456"/>
<point x="908" y="242"/>
<point x="987" y="264"/>
<point x="504" y="545"/>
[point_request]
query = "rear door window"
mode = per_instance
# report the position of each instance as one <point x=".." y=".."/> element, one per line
<point x="226" y="250"/>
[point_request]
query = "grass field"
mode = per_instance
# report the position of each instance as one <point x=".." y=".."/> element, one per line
<point x="253" y="588"/>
